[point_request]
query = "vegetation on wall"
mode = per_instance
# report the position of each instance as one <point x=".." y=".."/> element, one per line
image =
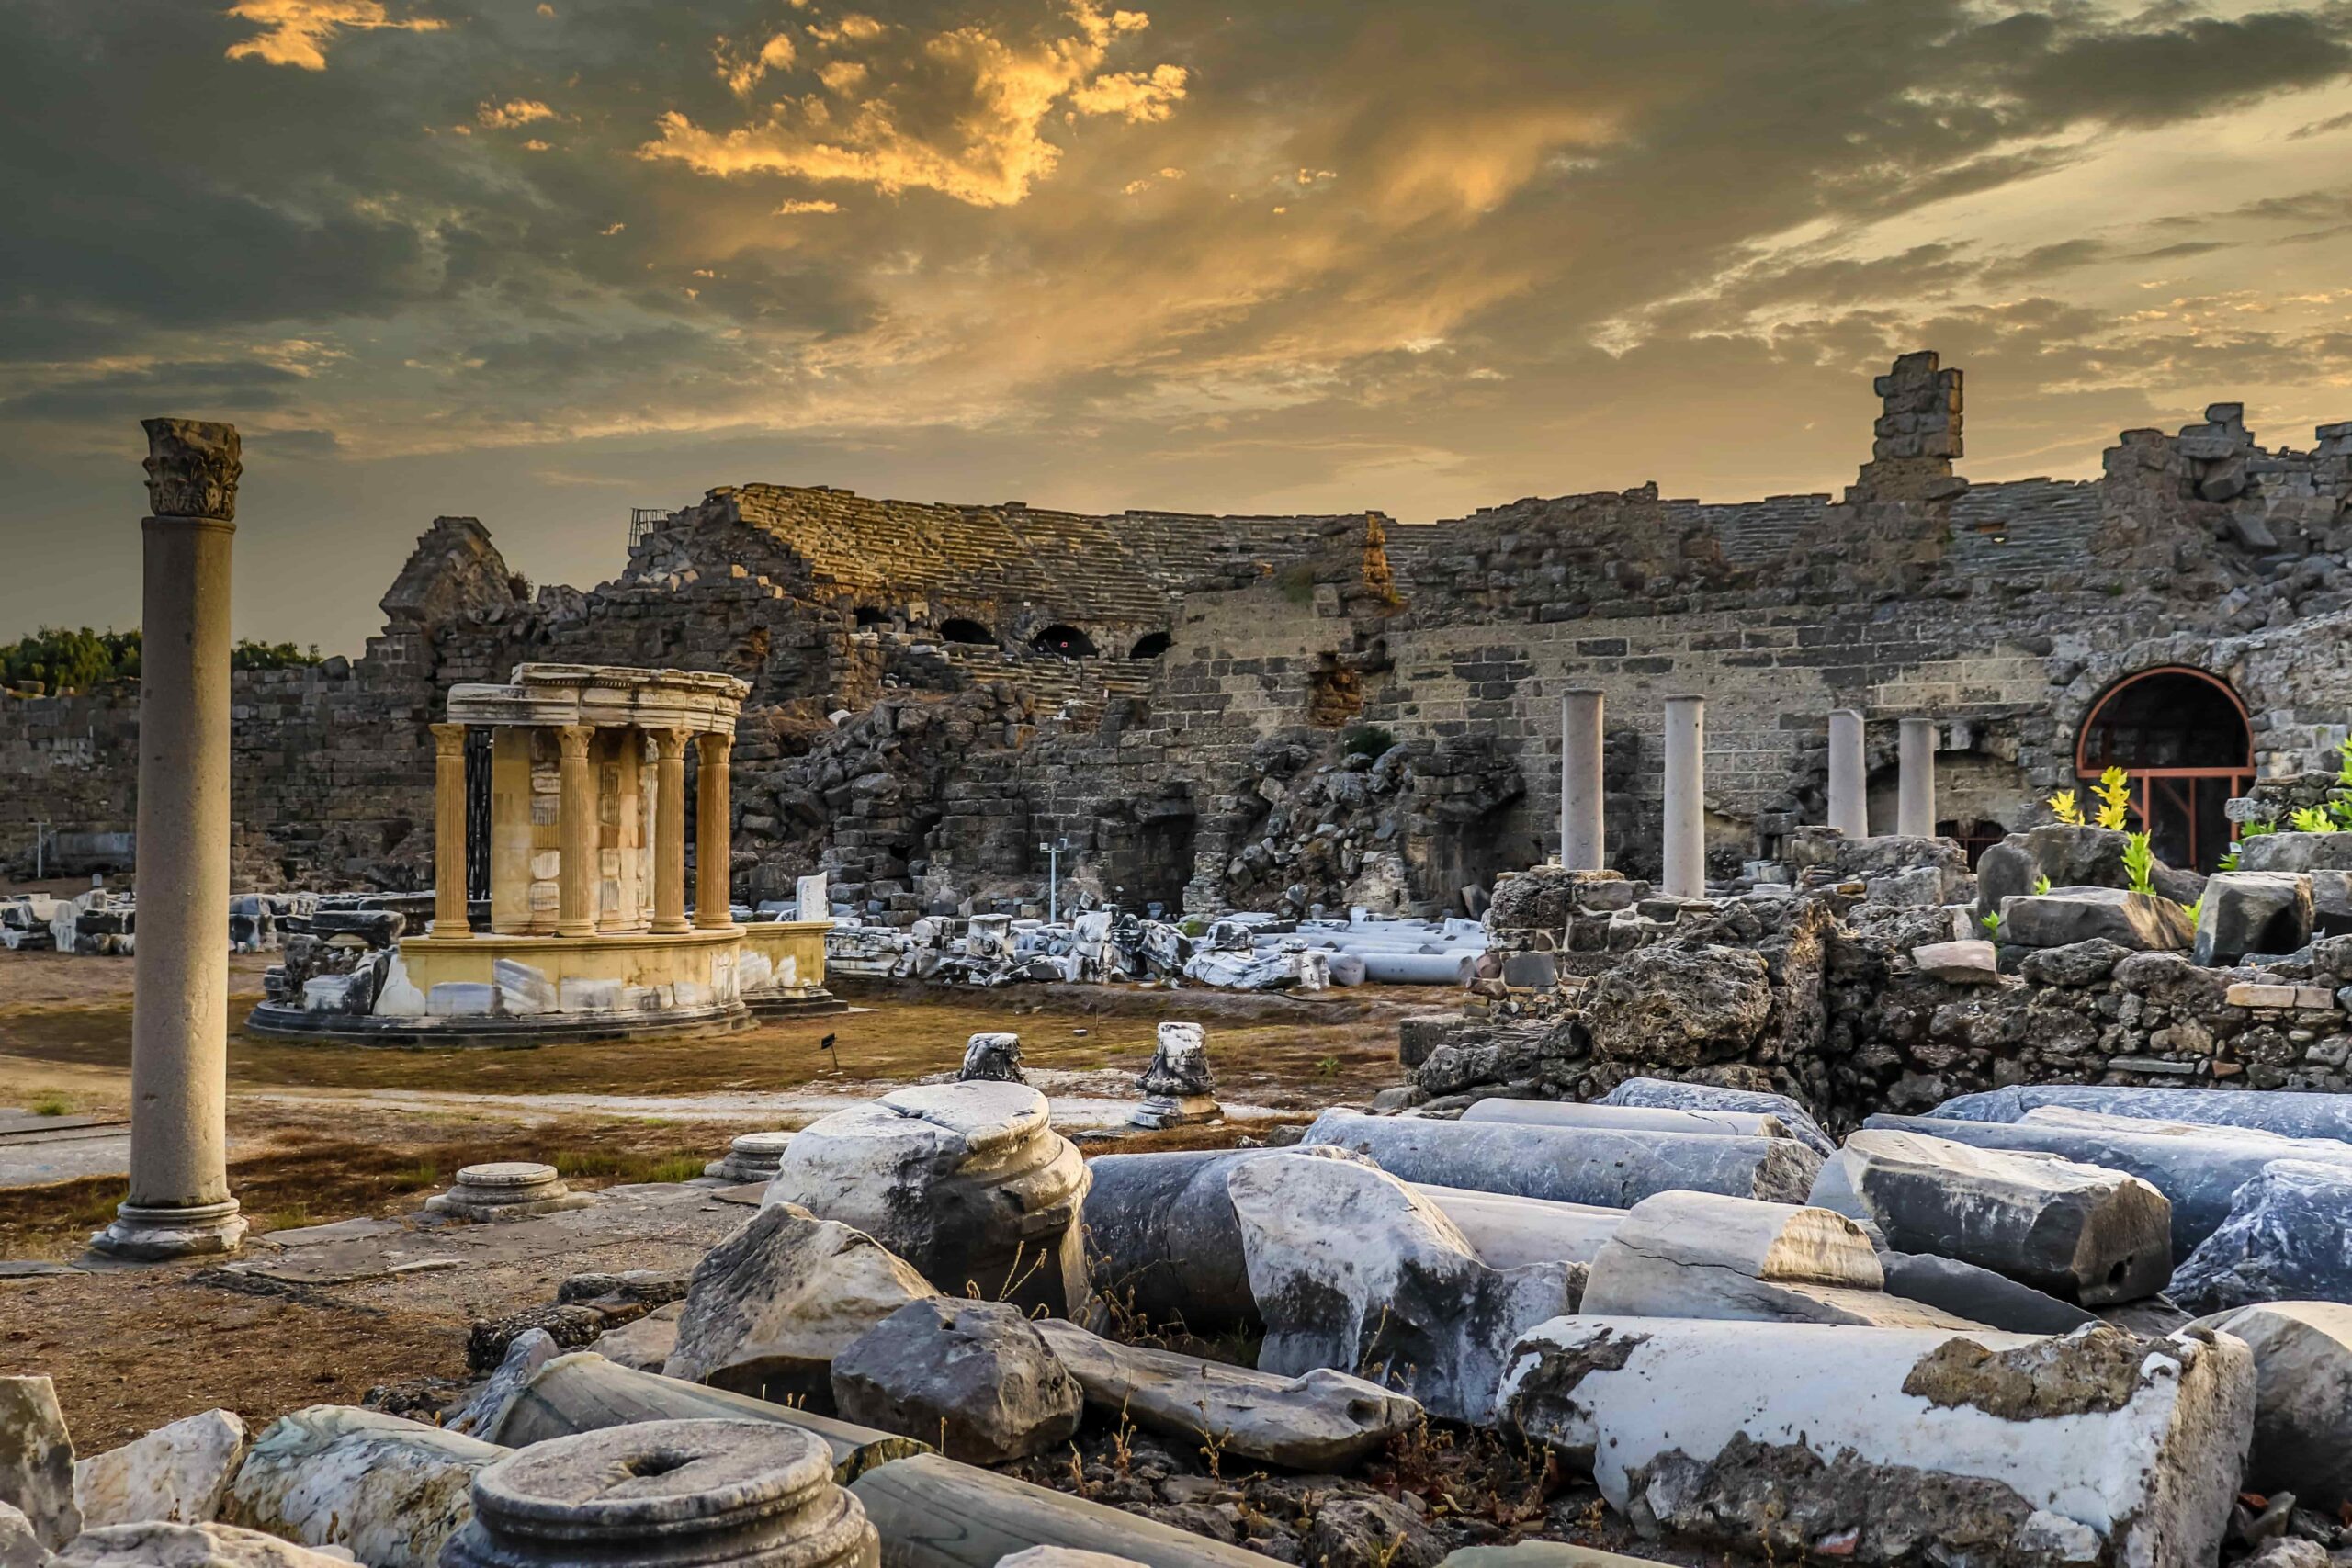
<point x="79" y="660"/>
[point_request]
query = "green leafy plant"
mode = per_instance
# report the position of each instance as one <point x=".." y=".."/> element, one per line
<point x="2066" y="809"/>
<point x="2229" y="861"/>
<point x="2340" y="811"/>
<point x="2140" y="863"/>
<point x="1368" y="741"/>
<point x="2343" y="763"/>
<point x="2040" y="885"/>
<point x="2312" y="819"/>
<point x="2194" y="908"/>
<point x="1992" y="923"/>
<point x="2114" y="792"/>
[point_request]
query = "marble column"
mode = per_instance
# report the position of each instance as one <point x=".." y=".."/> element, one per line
<point x="450" y="834"/>
<point x="510" y="830"/>
<point x="179" y="1202"/>
<point x="715" y="837"/>
<point x="670" y="832"/>
<point x="1914" y="809"/>
<point x="1686" y="797"/>
<point x="1849" y="807"/>
<point x="1582" y="845"/>
<point x="575" y="908"/>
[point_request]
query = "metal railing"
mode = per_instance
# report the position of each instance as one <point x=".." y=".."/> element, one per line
<point x="643" y="520"/>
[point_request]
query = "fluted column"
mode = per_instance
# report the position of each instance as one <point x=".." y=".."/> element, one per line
<point x="1850" y="808"/>
<point x="714" y="838"/>
<point x="1582" y="847"/>
<point x="1914" y="809"/>
<point x="449" y="833"/>
<point x="575" y="908"/>
<point x="179" y="1202"/>
<point x="670" y="832"/>
<point x="1686" y="797"/>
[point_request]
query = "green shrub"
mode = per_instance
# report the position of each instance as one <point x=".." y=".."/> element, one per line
<point x="1368" y="741"/>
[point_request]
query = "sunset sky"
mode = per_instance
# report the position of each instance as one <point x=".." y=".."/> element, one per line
<point x="539" y="261"/>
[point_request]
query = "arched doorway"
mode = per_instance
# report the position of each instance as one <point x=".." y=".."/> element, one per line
<point x="2182" y="734"/>
<point x="969" y="632"/>
<point x="1065" y="642"/>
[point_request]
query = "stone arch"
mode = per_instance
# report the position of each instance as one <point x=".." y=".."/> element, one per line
<point x="1064" y="641"/>
<point x="963" y="630"/>
<point x="1151" y="645"/>
<point x="2184" y="736"/>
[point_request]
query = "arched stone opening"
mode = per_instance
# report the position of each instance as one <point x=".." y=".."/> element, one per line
<point x="962" y="630"/>
<point x="867" y="616"/>
<point x="2183" y="736"/>
<point x="1064" y="642"/>
<point x="1151" y="645"/>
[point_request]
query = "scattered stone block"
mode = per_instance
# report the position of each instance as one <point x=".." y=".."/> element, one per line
<point x="37" y="1459"/>
<point x="391" y="1491"/>
<point x="645" y="1344"/>
<point x="1797" y="1438"/>
<point x="1978" y="1296"/>
<point x="935" y="1512"/>
<point x="771" y="1306"/>
<point x="1572" y="1165"/>
<point x="662" y="1493"/>
<point x="2302" y="1412"/>
<point x="752" y="1156"/>
<point x="1354" y="1271"/>
<point x="1321" y="1420"/>
<point x="526" y="1355"/>
<point x="1628" y="1118"/>
<point x="175" y="1474"/>
<point x="2063" y="916"/>
<point x="991" y="1057"/>
<point x="1510" y="1230"/>
<point x="2285" y="1112"/>
<point x="2291" y="853"/>
<point x="2252" y="911"/>
<point x="507" y="1189"/>
<point x="973" y="1378"/>
<point x="1676" y="1095"/>
<point x="19" y="1546"/>
<point x="159" y="1545"/>
<point x="1971" y="962"/>
<point x="965" y="1182"/>
<point x="2079" y="1231"/>
<point x="2257" y="994"/>
<point x="1680" y="1006"/>
<point x="2285" y="1239"/>
<point x="1177" y="1089"/>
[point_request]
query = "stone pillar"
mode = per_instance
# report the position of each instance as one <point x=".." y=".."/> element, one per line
<point x="1686" y="797"/>
<point x="1850" y="805"/>
<point x="1915" y="810"/>
<point x="179" y="1202"/>
<point x="512" y="807"/>
<point x="670" y="833"/>
<point x="450" y="834"/>
<point x="1582" y="845"/>
<point x="714" y="836"/>
<point x="575" y="909"/>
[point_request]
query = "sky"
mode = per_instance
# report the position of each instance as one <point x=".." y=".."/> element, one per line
<point x="541" y="261"/>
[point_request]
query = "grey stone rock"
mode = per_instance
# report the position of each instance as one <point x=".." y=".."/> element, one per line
<point x="526" y="1354"/>
<point x="37" y="1459"/>
<point x="992" y="1058"/>
<point x="2252" y="911"/>
<point x="1321" y="1420"/>
<point x="175" y="1474"/>
<point x="1573" y="1165"/>
<point x="2302" y="1414"/>
<point x="974" y="1378"/>
<point x="645" y="1343"/>
<point x="1370" y="1531"/>
<point x="771" y="1305"/>
<point x="2079" y="1231"/>
<point x="2288" y="1113"/>
<point x="1627" y="1118"/>
<point x="391" y="1491"/>
<point x="2064" y="915"/>
<point x="164" y="1545"/>
<point x="1354" y="1271"/>
<point x="1680" y="1006"/>
<point x="1968" y="962"/>
<point x="1978" y="1294"/>
<point x="2076" y="966"/>
<point x="1177" y="1089"/>
<point x="1672" y="1093"/>
<point x="1162" y="1242"/>
<point x="19" y="1546"/>
<point x="2296" y="851"/>
<point x="2285" y="1239"/>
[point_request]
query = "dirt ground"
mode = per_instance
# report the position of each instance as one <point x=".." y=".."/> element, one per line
<point x="320" y="1134"/>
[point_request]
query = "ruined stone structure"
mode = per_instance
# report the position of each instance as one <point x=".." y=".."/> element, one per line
<point x="1239" y="711"/>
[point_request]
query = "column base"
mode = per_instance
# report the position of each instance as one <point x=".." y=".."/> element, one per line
<point x="150" y="1236"/>
<point x="443" y="930"/>
<point x="575" y="928"/>
<point x="672" y="926"/>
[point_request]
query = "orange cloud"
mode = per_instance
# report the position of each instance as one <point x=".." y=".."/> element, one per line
<point x="296" y="32"/>
<point x="513" y="113"/>
<point x="742" y="70"/>
<point x="960" y="112"/>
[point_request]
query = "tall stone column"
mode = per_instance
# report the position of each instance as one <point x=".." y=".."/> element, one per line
<point x="1686" y="797"/>
<point x="715" y="837"/>
<point x="1914" y="801"/>
<point x="670" y="832"/>
<point x="1849" y="807"/>
<point x="575" y="906"/>
<point x="179" y="1202"/>
<point x="1582" y="845"/>
<point x="449" y="923"/>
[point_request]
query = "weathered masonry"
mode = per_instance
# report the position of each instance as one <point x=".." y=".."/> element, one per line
<point x="1236" y="711"/>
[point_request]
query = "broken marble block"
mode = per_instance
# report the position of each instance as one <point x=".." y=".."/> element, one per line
<point x="2252" y="911"/>
<point x="1572" y="1165"/>
<point x="1354" y="1271"/>
<point x="965" y="1182"/>
<point x="769" y="1306"/>
<point x="1979" y="1295"/>
<point x="1163" y="1248"/>
<point x="1510" y="1230"/>
<point x="1970" y="961"/>
<point x="2082" y="1232"/>
<point x="1176" y="1086"/>
<point x="1321" y="1420"/>
<point x="507" y="1189"/>
<point x="1797" y="1439"/>
<point x="667" y="1493"/>
<point x="19" y="1546"/>
<point x="751" y="1157"/>
<point x="159" y="1545"/>
<point x="392" y="1491"/>
<point x="2286" y="1238"/>
<point x="526" y="1354"/>
<point x="175" y="1474"/>
<point x="2198" y="1171"/>
<point x="974" y="1378"/>
<point x="2064" y="915"/>
<point x="993" y="1058"/>
<point x="644" y="1344"/>
<point x="1700" y="1255"/>
<point x="1674" y="1094"/>
<point x="2303" y="1409"/>
<point x="37" y="1459"/>
<point x="1698" y="1123"/>
<point x="2286" y="1112"/>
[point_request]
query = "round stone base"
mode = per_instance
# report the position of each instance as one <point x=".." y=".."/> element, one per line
<point x="1163" y="1110"/>
<point x="507" y="1189"/>
<point x="150" y="1236"/>
<point x="754" y="1157"/>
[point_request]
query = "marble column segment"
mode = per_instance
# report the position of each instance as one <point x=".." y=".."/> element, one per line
<point x="1915" y="811"/>
<point x="1582" y="845"/>
<point x="1850" y="810"/>
<point x="449" y="923"/>
<point x="575" y="913"/>
<point x="1686" y="797"/>
<point x="714" y="840"/>
<point x="670" y="832"/>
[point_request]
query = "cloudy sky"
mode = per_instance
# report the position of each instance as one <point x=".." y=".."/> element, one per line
<point x="539" y="261"/>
